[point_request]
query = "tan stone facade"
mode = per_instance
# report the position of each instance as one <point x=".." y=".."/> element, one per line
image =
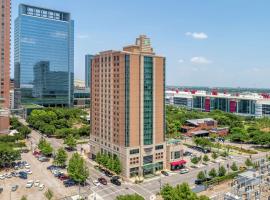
<point x="4" y="64"/>
<point x="119" y="92"/>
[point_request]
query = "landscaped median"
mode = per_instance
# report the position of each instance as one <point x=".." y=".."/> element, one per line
<point x="220" y="179"/>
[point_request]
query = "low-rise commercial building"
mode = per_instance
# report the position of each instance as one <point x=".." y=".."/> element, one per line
<point x="246" y="104"/>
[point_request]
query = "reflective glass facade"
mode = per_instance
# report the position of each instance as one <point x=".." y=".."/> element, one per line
<point x="88" y="66"/>
<point x="148" y="101"/>
<point x="44" y="57"/>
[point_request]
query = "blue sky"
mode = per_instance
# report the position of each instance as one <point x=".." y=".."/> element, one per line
<point x="206" y="43"/>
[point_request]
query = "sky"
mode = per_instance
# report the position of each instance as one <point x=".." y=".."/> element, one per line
<point x="206" y="43"/>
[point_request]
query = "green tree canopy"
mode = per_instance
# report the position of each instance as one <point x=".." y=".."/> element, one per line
<point x="77" y="168"/>
<point x="201" y="175"/>
<point x="129" y="197"/>
<point x="222" y="171"/>
<point x="61" y="157"/>
<point x="212" y="173"/>
<point x="180" y="192"/>
<point x="234" y="167"/>
<point x="70" y="141"/>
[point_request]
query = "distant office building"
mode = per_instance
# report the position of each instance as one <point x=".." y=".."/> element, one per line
<point x="88" y="66"/>
<point x="11" y="99"/>
<point x="44" y="57"/>
<point x="82" y="97"/>
<point x="246" y="104"/>
<point x="4" y="65"/>
<point x="79" y="84"/>
<point x="127" y="107"/>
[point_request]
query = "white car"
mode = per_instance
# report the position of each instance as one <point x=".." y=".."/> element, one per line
<point x="2" y="177"/>
<point x="29" y="184"/>
<point x="41" y="187"/>
<point x="27" y="166"/>
<point x="36" y="184"/>
<point x="96" y="183"/>
<point x="28" y="171"/>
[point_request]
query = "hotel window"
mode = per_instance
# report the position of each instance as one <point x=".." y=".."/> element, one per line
<point x="134" y="151"/>
<point x="158" y="147"/>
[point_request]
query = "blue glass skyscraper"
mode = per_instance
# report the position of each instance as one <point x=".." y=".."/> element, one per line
<point x="43" y="57"/>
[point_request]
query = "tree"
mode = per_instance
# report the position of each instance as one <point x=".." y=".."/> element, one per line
<point x="48" y="129"/>
<point x="24" y="131"/>
<point x="212" y="173"/>
<point x="70" y="141"/>
<point x="117" y="166"/>
<point x="24" y="197"/>
<point x="248" y="162"/>
<point x="221" y="171"/>
<point x="130" y="197"/>
<point x="45" y="147"/>
<point x="205" y="158"/>
<point x="77" y="169"/>
<point x="8" y="154"/>
<point x="201" y="175"/>
<point x="180" y="192"/>
<point x="214" y="155"/>
<point x="238" y="134"/>
<point x="48" y="194"/>
<point x="61" y="157"/>
<point x="234" y="167"/>
<point x="194" y="160"/>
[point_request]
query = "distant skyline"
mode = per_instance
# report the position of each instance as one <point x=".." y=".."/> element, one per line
<point x="206" y="43"/>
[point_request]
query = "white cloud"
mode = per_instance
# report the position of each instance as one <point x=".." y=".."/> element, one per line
<point x="82" y="36"/>
<point x="200" y="60"/>
<point x="181" y="60"/>
<point x="197" y="36"/>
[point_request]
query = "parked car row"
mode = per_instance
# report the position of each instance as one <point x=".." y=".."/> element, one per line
<point x="36" y="183"/>
<point x="68" y="182"/>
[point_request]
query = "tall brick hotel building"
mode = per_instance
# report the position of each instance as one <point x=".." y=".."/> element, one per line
<point x="127" y="109"/>
<point x="4" y="64"/>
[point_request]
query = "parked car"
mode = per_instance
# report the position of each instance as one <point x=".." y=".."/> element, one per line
<point x="43" y="159"/>
<point x="23" y="175"/>
<point x="63" y="177"/>
<point x="1" y="189"/>
<point x="28" y="171"/>
<point x="187" y="153"/>
<point x="37" y="182"/>
<point x="115" y="180"/>
<point x="242" y="168"/>
<point x="41" y="187"/>
<point x="198" y="181"/>
<point x="107" y="173"/>
<point x="14" y="188"/>
<point x="51" y="167"/>
<point x="164" y="173"/>
<point x="69" y="183"/>
<point x="29" y="184"/>
<point x="102" y="180"/>
<point x="184" y="171"/>
<point x="27" y="166"/>
<point x="9" y="175"/>
<point x="2" y="177"/>
<point x="96" y="182"/>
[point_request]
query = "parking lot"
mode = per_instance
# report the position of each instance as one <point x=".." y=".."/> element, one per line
<point x="39" y="172"/>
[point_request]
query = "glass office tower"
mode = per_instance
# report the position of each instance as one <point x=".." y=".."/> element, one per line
<point x="88" y="66"/>
<point x="44" y="57"/>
